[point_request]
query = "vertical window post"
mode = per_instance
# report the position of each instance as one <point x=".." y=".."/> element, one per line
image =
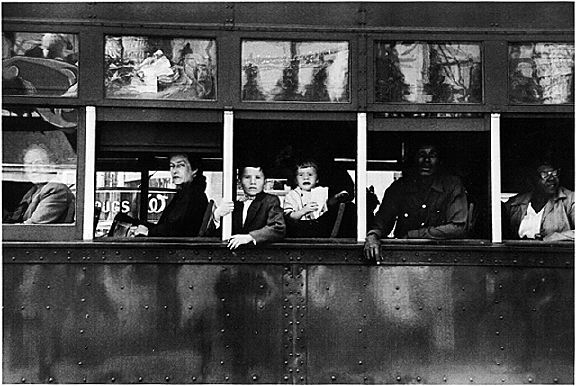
<point x="228" y="172"/>
<point x="495" y="178"/>
<point x="361" y="175"/>
<point x="89" y="173"/>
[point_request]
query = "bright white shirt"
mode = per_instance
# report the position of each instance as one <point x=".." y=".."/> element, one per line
<point x="531" y="223"/>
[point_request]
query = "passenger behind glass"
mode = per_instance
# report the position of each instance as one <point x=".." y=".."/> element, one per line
<point x="424" y="204"/>
<point x="48" y="201"/>
<point x="307" y="209"/>
<point x="184" y="214"/>
<point x="256" y="219"/>
<point x="545" y="213"/>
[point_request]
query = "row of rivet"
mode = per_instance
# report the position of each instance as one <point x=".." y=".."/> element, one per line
<point x="333" y="378"/>
<point x="390" y="254"/>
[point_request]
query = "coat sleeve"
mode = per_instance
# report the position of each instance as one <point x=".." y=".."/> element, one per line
<point x="182" y="222"/>
<point x="275" y="228"/>
<point x="53" y="205"/>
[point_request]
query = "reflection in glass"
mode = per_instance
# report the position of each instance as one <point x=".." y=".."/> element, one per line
<point x="418" y="72"/>
<point x="160" y="68"/>
<point x="295" y="71"/>
<point x="541" y="73"/>
<point x="39" y="166"/>
<point x="39" y="64"/>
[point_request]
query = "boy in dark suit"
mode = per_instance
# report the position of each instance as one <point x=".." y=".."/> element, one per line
<point x="258" y="218"/>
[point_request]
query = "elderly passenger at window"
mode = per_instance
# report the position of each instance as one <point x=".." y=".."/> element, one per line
<point x="47" y="201"/>
<point x="424" y="204"/>
<point x="545" y="213"/>
<point x="183" y="215"/>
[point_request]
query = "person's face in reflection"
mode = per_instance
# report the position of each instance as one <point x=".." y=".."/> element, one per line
<point x="547" y="180"/>
<point x="37" y="165"/>
<point x="181" y="170"/>
<point x="427" y="160"/>
<point x="252" y="180"/>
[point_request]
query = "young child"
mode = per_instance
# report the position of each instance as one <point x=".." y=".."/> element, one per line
<point x="257" y="219"/>
<point x="306" y="206"/>
<point x="307" y="201"/>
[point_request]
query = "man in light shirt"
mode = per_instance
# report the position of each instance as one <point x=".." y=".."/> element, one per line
<point x="545" y="213"/>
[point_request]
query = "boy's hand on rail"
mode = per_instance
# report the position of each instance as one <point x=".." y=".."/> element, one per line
<point x="372" y="248"/>
<point x="237" y="240"/>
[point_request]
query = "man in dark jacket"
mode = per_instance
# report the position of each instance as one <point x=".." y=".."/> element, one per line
<point x="427" y="204"/>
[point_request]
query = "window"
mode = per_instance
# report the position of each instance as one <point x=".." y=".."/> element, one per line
<point x="145" y="67"/>
<point x="295" y="71"/>
<point x="537" y="170"/>
<point x="327" y="147"/>
<point x="418" y="72"/>
<point x="133" y="175"/>
<point x="39" y="64"/>
<point x="462" y="158"/>
<point x="541" y="73"/>
<point x="39" y="162"/>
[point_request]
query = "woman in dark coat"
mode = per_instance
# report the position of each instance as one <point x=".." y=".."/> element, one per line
<point x="183" y="215"/>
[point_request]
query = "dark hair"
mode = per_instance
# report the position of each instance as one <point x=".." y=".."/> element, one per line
<point x="195" y="164"/>
<point x="251" y="161"/>
<point x="251" y="165"/>
<point x="194" y="161"/>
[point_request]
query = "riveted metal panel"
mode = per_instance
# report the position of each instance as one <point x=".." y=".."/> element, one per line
<point x="129" y="323"/>
<point x="133" y="312"/>
<point x="428" y="324"/>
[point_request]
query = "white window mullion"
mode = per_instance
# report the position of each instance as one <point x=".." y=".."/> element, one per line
<point x="229" y="179"/>
<point x="89" y="173"/>
<point x="361" y="175"/>
<point x="495" y="178"/>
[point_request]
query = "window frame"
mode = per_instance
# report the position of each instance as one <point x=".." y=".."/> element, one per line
<point x="74" y="231"/>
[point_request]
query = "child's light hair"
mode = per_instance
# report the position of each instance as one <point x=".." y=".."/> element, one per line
<point x="309" y="163"/>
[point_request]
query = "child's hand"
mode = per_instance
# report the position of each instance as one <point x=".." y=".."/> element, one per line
<point x="225" y="207"/>
<point x="237" y="240"/>
<point x="310" y="207"/>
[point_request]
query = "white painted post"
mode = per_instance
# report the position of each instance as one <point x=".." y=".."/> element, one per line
<point x="495" y="178"/>
<point x="361" y="175"/>
<point x="229" y="179"/>
<point x="89" y="173"/>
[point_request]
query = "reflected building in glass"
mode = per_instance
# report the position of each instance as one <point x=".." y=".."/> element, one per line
<point x="290" y="71"/>
<point x="39" y="64"/>
<point x="417" y="72"/>
<point x="143" y="67"/>
<point x="541" y="73"/>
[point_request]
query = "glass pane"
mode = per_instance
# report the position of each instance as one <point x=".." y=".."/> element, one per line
<point x="295" y="71"/>
<point x="541" y="73"/>
<point x="143" y="67"/>
<point x="419" y="72"/>
<point x="39" y="165"/>
<point x="39" y="64"/>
